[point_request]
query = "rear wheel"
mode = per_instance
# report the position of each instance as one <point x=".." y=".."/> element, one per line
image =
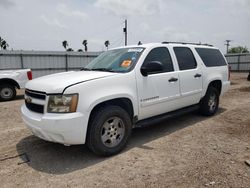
<point x="7" y="92"/>
<point x="109" y="130"/>
<point x="210" y="103"/>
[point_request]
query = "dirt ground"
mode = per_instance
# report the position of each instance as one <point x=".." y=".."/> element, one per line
<point x="189" y="151"/>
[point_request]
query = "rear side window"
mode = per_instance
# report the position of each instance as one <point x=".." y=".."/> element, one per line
<point x="185" y="58"/>
<point x="211" y="57"/>
<point x="162" y="55"/>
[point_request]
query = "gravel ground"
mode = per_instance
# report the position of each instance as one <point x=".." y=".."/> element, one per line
<point x="189" y="151"/>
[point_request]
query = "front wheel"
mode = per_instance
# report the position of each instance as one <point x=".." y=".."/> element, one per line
<point x="109" y="130"/>
<point x="7" y="92"/>
<point x="210" y="103"/>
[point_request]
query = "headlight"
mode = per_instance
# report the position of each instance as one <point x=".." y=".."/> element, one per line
<point x="62" y="103"/>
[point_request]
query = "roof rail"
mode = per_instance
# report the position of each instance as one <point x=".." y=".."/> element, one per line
<point x="186" y="43"/>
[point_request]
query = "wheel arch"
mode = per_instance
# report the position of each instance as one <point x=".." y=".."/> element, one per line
<point x="217" y="84"/>
<point x="122" y="102"/>
<point x="9" y="81"/>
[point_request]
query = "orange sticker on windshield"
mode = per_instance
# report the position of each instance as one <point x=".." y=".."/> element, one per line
<point x="126" y="63"/>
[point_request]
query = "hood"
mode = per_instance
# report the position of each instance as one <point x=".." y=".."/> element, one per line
<point x="55" y="83"/>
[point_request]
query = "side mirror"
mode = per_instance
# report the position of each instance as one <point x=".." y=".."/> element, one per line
<point x="151" y="67"/>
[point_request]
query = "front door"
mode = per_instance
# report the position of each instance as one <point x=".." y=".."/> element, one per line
<point x="158" y="92"/>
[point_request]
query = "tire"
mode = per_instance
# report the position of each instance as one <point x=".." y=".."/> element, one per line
<point x="109" y="130"/>
<point x="210" y="102"/>
<point x="7" y="92"/>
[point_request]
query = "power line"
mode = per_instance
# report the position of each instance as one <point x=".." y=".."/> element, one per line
<point x="117" y="42"/>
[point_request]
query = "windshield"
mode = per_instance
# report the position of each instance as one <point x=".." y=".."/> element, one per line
<point x="118" y="60"/>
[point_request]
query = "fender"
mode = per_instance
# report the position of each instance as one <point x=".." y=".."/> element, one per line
<point x="208" y="82"/>
<point x="112" y="97"/>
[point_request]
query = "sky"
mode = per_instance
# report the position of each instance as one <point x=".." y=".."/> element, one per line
<point x="44" y="24"/>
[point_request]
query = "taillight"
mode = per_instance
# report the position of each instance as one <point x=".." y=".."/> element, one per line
<point x="229" y="70"/>
<point x="29" y="75"/>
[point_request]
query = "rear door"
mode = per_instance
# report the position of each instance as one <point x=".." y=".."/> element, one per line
<point x="190" y="75"/>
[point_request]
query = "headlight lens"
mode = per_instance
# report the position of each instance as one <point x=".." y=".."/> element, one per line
<point x="62" y="103"/>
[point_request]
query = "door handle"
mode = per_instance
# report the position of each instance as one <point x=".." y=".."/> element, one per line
<point x="197" y="75"/>
<point x="173" y="79"/>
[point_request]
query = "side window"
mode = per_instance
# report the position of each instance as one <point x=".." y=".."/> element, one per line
<point x="185" y="58"/>
<point x="162" y="55"/>
<point x="211" y="57"/>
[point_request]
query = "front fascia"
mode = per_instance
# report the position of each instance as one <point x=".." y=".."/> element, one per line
<point x="71" y="128"/>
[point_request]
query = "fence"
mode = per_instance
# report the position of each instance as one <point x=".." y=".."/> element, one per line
<point x="239" y="62"/>
<point x="44" y="63"/>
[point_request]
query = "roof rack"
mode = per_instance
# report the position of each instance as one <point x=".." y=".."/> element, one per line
<point x="186" y="43"/>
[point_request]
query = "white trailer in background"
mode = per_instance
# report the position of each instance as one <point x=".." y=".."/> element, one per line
<point x="10" y="80"/>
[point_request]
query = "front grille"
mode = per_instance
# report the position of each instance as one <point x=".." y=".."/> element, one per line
<point x="35" y="94"/>
<point x="35" y="107"/>
<point x="33" y="97"/>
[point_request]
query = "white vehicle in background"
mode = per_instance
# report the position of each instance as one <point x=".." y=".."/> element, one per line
<point x="10" y="80"/>
<point x="124" y="88"/>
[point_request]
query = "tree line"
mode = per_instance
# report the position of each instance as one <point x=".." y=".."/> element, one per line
<point x="65" y="44"/>
<point x="238" y="50"/>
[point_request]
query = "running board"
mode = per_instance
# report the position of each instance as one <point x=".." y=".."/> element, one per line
<point x="166" y="116"/>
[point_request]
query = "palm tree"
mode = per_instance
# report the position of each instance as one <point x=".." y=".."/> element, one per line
<point x="1" y="40"/>
<point x="70" y="50"/>
<point x="107" y="43"/>
<point x="65" y="44"/>
<point x="4" y="44"/>
<point x="85" y="43"/>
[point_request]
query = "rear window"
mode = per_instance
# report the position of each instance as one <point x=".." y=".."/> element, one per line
<point x="211" y="57"/>
<point x="185" y="58"/>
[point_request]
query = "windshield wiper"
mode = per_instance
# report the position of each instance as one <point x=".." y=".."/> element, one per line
<point x="86" y="69"/>
<point x="103" y="69"/>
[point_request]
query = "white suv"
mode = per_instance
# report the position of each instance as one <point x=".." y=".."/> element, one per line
<point x="124" y="88"/>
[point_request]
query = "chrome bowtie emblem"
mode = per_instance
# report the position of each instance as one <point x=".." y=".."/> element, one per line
<point x="28" y="99"/>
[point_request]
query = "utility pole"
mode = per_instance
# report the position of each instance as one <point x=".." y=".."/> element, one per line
<point x="228" y="44"/>
<point x="125" y="30"/>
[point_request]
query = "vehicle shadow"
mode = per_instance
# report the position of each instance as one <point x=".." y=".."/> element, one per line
<point x="18" y="97"/>
<point x="55" y="158"/>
